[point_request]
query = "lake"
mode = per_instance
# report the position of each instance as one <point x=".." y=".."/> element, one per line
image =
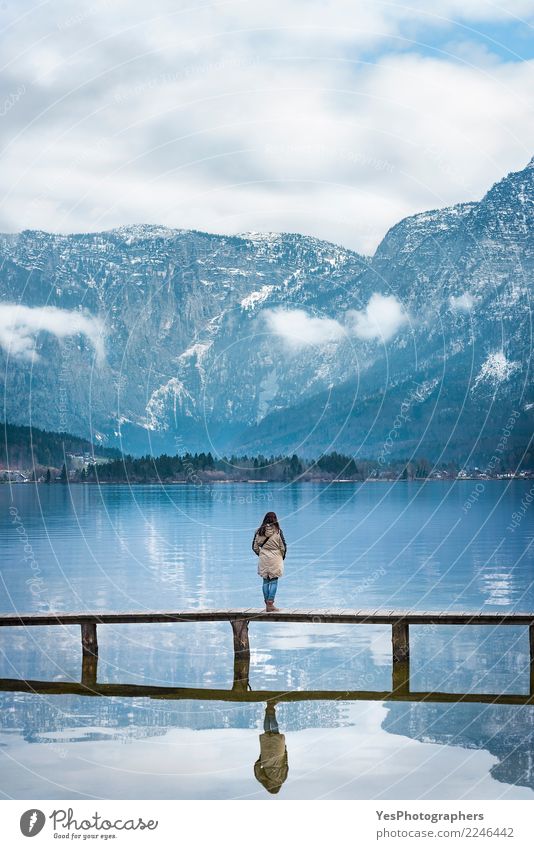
<point x="427" y="546"/>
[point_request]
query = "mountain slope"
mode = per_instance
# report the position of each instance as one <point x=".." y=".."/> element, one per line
<point x="194" y="361"/>
<point x="166" y="299"/>
<point x="465" y="276"/>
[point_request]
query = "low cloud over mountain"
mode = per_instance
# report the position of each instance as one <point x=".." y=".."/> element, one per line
<point x="381" y="319"/>
<point x="279" y="342"/>
<point x="19" y="326"/>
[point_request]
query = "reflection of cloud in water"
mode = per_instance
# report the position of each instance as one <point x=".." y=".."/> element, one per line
<point x="498" y="587"/>
<point x="36" y="716"/>
<point x="474" y="658"/>
<point x="380" y="646"/>
<point x="289" y="636"/>
<point x="166" y="560"/>
<point x="358" y="761"/>
<point x="506" y="732"/>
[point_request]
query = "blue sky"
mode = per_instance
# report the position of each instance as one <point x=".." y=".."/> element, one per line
<point x="333" y="118"/>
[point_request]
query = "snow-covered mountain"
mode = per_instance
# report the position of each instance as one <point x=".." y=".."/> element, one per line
<point x="175" y="340"/>
<point x="449" y="382"/>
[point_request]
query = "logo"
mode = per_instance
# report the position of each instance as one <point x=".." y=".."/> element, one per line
<point x="32" y="822"/>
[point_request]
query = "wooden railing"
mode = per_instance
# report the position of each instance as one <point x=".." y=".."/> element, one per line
<point x="243" y="694"/>
<point x="400" y="621"/>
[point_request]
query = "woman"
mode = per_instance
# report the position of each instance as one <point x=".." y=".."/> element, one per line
<point x="271" y="768"/>
<point x="270" y="546"/>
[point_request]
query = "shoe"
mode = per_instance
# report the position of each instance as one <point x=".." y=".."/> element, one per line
<point x="269" y="606"/>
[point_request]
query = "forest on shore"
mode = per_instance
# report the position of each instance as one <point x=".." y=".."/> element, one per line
<point x="50" y="457"/>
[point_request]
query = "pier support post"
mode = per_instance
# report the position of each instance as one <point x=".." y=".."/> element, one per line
<point x="240" y="631"/>
<point x="89" y="654"/>
<point x="89" y="670"/>
<point x="531" y="639"/>
<point x="241" y="674"/>
<point x="401" y="678"/>
<point x="400" y="639"/>
<point x="241" y="654"/>
<point x="89" y="640"/>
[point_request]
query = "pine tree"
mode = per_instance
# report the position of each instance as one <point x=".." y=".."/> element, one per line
<point x="64" y="477"/>
<point x="295" y="467"/>
<point x="48" y="476"/>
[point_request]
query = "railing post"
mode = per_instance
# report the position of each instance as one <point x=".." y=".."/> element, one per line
<point x="400" y="639"/>
<point x="241" y="654"/>
<point x="89" y="640"/>
<point x="531" y="640"/>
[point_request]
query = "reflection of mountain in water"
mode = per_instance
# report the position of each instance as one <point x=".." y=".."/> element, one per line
<point x="72" y="719"/>
<point x="507" y="732"/>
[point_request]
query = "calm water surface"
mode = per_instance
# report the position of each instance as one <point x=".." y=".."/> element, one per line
<point x="372" y="545"/>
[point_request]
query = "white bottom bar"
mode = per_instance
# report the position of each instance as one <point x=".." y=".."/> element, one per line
<point x="312" y="824"/>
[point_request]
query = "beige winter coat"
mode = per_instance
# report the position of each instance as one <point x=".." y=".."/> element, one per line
<point x="271" y="768"/>
<point x="271" y="549"/>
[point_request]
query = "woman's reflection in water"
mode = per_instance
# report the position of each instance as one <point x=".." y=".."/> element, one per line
<point x="271" y="768"/>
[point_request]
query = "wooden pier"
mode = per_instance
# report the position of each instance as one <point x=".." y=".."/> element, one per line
<point x="399" y="620"/>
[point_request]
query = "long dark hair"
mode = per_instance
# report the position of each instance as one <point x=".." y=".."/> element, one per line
<point x="268" y="519"/>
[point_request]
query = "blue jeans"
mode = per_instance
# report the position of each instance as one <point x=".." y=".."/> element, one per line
<point x="270" y="586"/>
<point x="270" y="723"/>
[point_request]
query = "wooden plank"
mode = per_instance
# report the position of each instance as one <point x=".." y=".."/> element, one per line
<point x="361" y="616"/>
<point x="53" y="688"/>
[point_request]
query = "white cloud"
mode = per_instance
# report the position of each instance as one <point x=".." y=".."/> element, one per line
<point x="293" y="115"/>
<point x="19" y="326"/>
<point x="381" y="319"/>
<point x="299" y="329"/>
<point x="462" y="303"/>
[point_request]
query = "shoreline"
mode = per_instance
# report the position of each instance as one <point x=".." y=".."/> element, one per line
<point x="209" y="483"/>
